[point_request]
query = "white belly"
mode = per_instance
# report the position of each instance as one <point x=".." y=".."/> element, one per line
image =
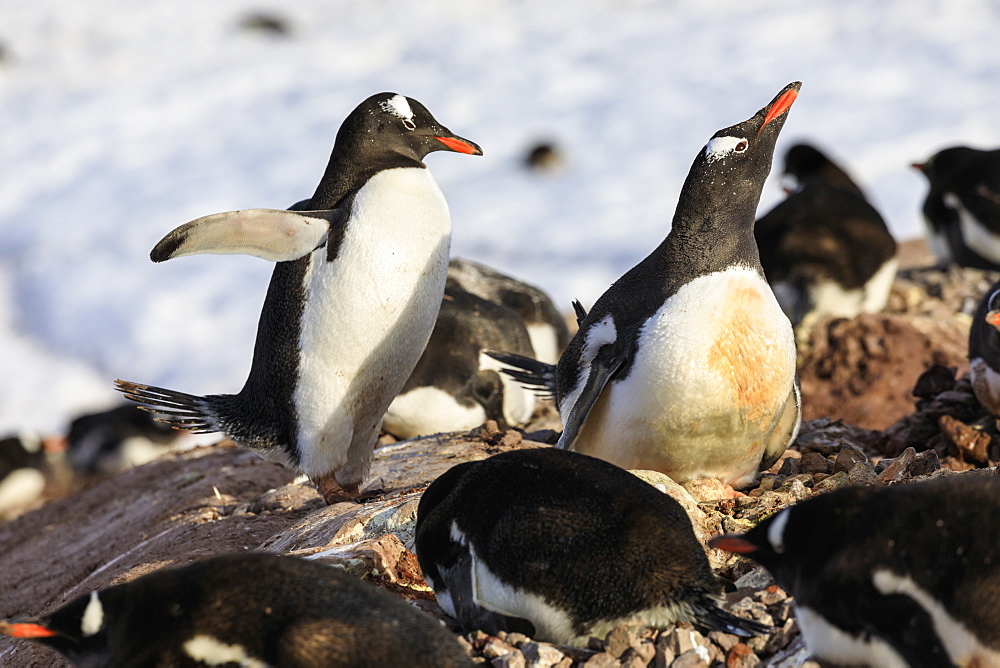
<point x="367" y="318"/>
<point x="714" y="368"/>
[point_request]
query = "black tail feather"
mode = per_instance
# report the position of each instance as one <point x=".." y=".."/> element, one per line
<point x="717" y="619"/>
<point x="531" y="373"/>
<point x="179" y="410"/>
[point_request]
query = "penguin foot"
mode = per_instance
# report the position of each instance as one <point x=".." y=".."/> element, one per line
<point x="333" y="492"/>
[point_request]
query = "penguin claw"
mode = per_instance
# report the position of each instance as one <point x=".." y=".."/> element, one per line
<point x="333" y="492"/>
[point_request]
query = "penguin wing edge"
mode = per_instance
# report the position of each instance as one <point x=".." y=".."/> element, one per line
<point x="272" y="234"/>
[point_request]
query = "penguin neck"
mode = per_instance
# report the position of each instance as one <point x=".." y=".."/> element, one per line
<point x="712" y="241"/>
<point x="349" y="169"/>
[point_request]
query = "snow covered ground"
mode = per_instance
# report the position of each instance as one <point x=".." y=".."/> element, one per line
<point x="124" y="119"/>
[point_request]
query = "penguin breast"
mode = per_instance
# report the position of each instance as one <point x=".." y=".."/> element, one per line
<point x="369" y="313"/>
<point x="713" y="369"/>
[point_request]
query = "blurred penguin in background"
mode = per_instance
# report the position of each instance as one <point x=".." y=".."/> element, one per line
<point x="825" y="250"/>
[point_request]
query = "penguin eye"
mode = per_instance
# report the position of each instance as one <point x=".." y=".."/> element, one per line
<point x="994" y="301"/>
<point x="719" y="147"/>
<point x="409" y="125"/>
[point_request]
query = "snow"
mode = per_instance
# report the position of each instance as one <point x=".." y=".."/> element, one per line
<point x="123" y="120"/>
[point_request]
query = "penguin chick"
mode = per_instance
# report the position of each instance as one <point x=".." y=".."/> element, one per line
<point x="248" y="609"/>
<point x="962" y="207"/>
<point x="562" y="546"/>
<point x="686" y="365"/>
<point x="360" y="271"/>
<point x="825" y="250"/>
<point x="455" y="386"/>
<point x="907" y="575"/>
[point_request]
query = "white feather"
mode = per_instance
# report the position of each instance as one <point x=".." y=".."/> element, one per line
<point x="367" y="318"/>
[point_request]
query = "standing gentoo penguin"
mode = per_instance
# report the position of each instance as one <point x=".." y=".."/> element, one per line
<point x="247" y="609"/>
<point x="455" y="385"/>
<point x="825" y="250"/>
<point x="361" y="267"/>
<point x="984" y="350"/>
<point x="962" y="209"/>
<point x="686" y="365"/>
<point x="890" y="576"/>
<point x="562" y="547"/>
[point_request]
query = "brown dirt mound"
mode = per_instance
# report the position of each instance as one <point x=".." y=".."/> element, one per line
<point x="863" y="370"/>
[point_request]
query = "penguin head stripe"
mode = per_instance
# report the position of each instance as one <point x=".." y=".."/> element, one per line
<point x="398" y="105"/>
<point x="721" y="147"/>
<point x="776" y="532"/>
<point x="93" y="616"/>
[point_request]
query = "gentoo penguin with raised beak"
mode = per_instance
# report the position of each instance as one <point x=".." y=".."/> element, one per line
<point x="361" y="268"/>
<point x="686" y="365"/>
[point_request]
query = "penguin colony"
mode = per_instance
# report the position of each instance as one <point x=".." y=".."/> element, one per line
<point x="685" y="366"/>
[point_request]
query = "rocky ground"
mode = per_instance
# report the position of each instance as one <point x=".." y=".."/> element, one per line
<point x="865" y="426"/>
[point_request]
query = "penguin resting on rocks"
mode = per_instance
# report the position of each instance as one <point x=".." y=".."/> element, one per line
<point x="247" y="609"/>
<point x="962" y="207"/>
<point x="455" y="386"/>
<point x="825" y="250"/>
<point x="561" y="546"/>
<point x="686" y="365"/>
<point x="907" y="575"/>
<point x="361" y="268"/>
<point x="984" y="350"/>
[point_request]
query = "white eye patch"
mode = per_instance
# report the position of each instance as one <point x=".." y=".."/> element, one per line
<point x="398" y="106"/>
<point x="719" y="147"/>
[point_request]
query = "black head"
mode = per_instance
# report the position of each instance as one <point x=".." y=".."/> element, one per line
<point x="805" y="163"/>
<point x="391" y="123"/>
<point x="795" y="543"/>
<point x="944" y="162"/>
<point x="385" y="131"/>
<point x="727" y="177"/>
<point x="78" y="630"/>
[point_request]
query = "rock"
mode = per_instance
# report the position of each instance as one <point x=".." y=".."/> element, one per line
<point x="601" y="660"/>
<point x="741" y="656"/>
<point x="665" y="653"/>
<point x="726" y="641"/>
<point x="706" y="489"/>
<point x="909" y="464"/>
<point x="512" y="659"/>
<point x="541" y="655"/>
<point x="758" y="578"/>
<point x="848" y="456"/>
<point x="692" y="659"/>
<point x="862" y="473"/>
<point x="495" y="647"/>
<point x="836" y="481"/>
<point x="814" y="462"/>
<point x="623" y="637"/>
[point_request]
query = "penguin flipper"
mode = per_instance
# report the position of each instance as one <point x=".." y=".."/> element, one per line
<point x="600" y="370"/>
<point x="271" y="234"/>
<point x="533" y="374"/>
<point x="713" y="617"/>
<point x="470" y="612"/>
<point x="786" y="430"/>
<point x="179" y="410"/>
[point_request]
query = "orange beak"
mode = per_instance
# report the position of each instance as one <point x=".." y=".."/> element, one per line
<point x="735" y="544"/>
<point x="780" y="106"/>
<point x="25" y="630"/>
<point x="460" y="145"/>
